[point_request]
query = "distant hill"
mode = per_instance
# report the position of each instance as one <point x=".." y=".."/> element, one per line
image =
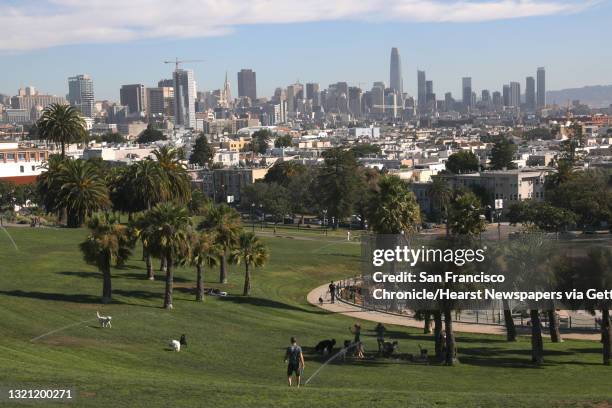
<point x="598" y="96"/>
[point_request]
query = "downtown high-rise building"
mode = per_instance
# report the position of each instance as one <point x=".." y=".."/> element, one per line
<point x="134" y="97"/>
<point x="184" y="98"/>
<point x="515" y="94"/>
<point x="160" y="101"/>
<point x="247" y="84"/>
<point x="395" y="72"/>
<point x="506" y="95"/>
<point x="530" y="93"/>
<point x="313" y="93"/>
<point x="466" y="88"/>
<point x="421" y="91"/>
<point x="541" y="90"/>
<point x="81" y="94"/>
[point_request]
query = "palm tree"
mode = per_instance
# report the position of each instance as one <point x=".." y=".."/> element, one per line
<point x="48" y="184"/>
<point x="82" y="191"/>
<point x="108" y="242"/>
<point x="252" y="252"/>
<point x="393" y="209"/>
<point x="177" y="181"/>
<point x="149" y="184"/>
<point x="440" y="194"/>
<point x="61" y="124"/>
<point x="225" y="223"/>
<point x="169" y="239"/>
<point x="592" y="271"/>
<point x="141" y="230"/>
<point x="204" y="253"/>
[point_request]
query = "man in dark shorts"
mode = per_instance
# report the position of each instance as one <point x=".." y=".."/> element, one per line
<point x="295" y="360"/>
<point x="332" y="291"/>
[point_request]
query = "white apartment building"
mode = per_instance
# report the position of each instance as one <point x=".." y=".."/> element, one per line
<point x="20" y="164"/>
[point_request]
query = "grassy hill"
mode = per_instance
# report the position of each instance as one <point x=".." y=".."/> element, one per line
<point x="236" y="344"/>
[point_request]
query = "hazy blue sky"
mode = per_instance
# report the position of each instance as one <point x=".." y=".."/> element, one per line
<point x="495" y="41"/>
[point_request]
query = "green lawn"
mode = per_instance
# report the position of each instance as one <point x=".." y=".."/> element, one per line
<point x="236" y="344"/>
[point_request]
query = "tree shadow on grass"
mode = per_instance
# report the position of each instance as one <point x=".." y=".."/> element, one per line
<point x="115" y="275"/>
<point x="61" y="297"/>
<point x="262" y="302"/>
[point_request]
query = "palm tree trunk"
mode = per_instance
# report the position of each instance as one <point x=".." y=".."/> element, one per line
<point x="247" y="280"/>
<point x="451" y="347"/>
<point x="199" y="283"/>
<point x="427" y="324"/>
<point x="553" y="326"/>
<point x="163" y="264"/>
<point x="223" y="267"/>
<point x="438" y="335"/>
<point x="63" y="150"/>
<point x="169" y="280"/>
<point x="509" y="321"/>
<point x="148" y="263"/>
<point x="537" y="345"/>
<point x="606" y="335"/>
<point x="107" y="290"/>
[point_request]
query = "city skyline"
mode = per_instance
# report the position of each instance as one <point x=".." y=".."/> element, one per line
<point x="492" y="51"/>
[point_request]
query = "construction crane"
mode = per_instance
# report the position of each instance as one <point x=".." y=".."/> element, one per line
<point x="177" y="62"/>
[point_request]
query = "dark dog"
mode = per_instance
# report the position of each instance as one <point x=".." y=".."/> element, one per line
<point x="183" y="340"/>
<point x="325" y="346"/>
<point x="389" y="348"/>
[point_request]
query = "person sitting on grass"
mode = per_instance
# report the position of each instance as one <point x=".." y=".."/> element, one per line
<point x="295" y="359"/>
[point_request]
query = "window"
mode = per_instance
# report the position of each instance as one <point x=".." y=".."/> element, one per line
<point x="22" y="156"/>
<point x="1" y="156"/>
<point x="33" y="168"/>
<point x="32" y="156"/>
<point x="10" y="156"/>
<point x="21" y="169"/>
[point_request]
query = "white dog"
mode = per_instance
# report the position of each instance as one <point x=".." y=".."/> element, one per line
<point x="105" y="321"/>
<point x="175" y="345"/>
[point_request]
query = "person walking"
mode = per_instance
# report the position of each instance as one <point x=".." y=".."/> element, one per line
<point x="380" y="336"/>
<point x="332" y="291"/>
<point x="295" y="359"/>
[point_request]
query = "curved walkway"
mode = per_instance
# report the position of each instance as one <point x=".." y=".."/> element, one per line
<point x="387" y="318"/>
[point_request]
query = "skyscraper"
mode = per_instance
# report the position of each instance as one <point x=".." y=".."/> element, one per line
<point x="134" y="97"/>
<point x="160" y="101"/>
<point x="506" y="95"/>
<point x="421" y="90"/>
<point x="395" y="72"/>
<point x="313" y="93"/>
<point x="247" y="84"/>
<point x="184" y="98"/>
<point x="81" y="94"/>
<point x="530" y="93"/>
<point x="515" y="94"/>
<point x="466" y="87"/>
<point x="541" y="95"/>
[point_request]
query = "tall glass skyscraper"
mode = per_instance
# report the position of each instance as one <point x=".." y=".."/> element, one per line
<point x="81" y="94"/>
<point x="541" y="95"/>
<point x="466" y="87"/>
<point x="184" y="98"/>
<point x="421" y="91"/>
<point x="395" y="72"/>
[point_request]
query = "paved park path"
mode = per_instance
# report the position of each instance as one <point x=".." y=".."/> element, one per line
<point x="387" y="318"/>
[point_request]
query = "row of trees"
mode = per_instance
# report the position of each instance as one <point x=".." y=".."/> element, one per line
<point x="530" y="258"/>
<point x="167" y="233"/>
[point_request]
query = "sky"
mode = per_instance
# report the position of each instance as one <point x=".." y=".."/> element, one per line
<point x="43" y="42"/>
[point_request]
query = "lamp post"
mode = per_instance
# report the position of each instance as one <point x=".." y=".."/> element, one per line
<point x="263" y="217"/>
<point x="325" y="221"/>
<point x="252" y="216"/>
